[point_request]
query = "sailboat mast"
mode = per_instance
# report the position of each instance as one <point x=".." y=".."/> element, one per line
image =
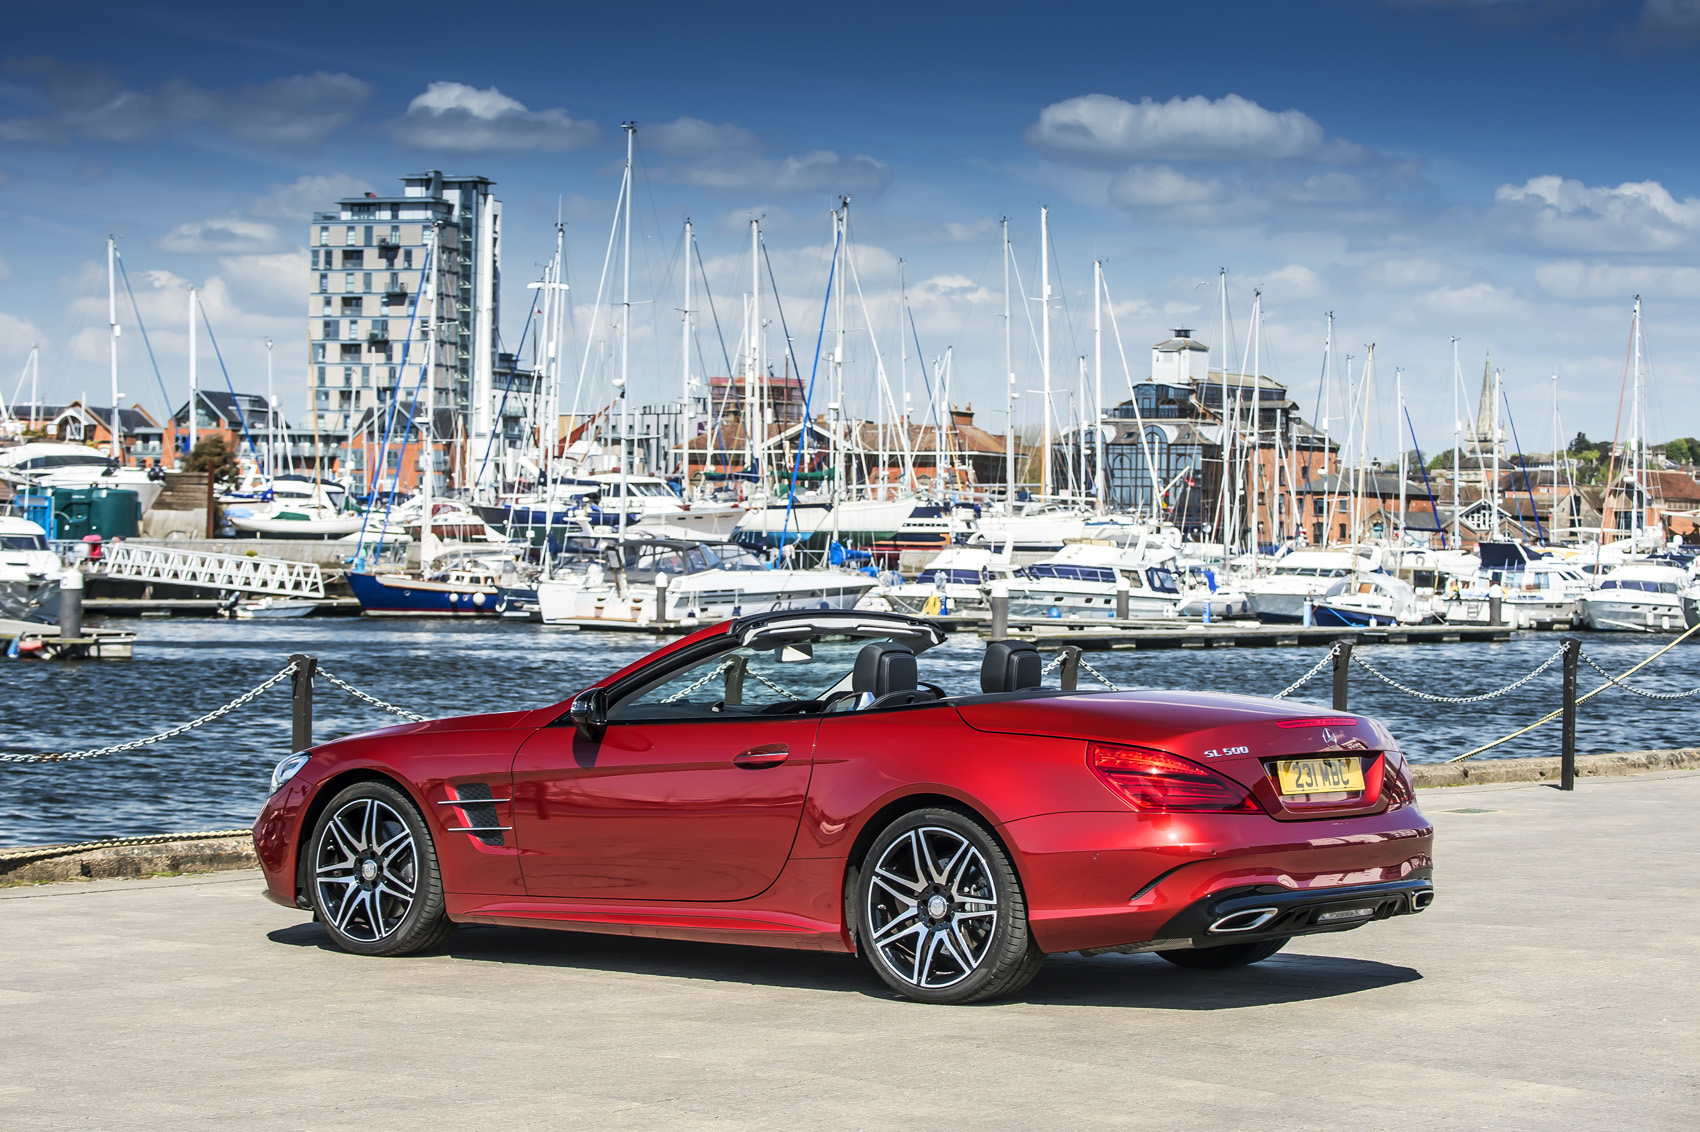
<point x="1098" y="383"/>
<point x="1009" y="388"/>
<point x="685" y="370"/>
<point x="428" y="428"/>
<point x="840" y="432"/>
<point x="112" y="317"/>
<point x="1635" y="432"/>
<point x="1457" y="427"/>
<point x="1494" y="443"/>
<point x="1555" y="457"/>
<point x="1045" y="347"/>
<point x="758" y="410"/>
<point x="194" y="394"/>
<point x="271" y="416"/>
<point x="1398" y="428"/>
<point x="626" y="325"/>
<point x="35" y="386"/>
<point x="1255" y="452"/>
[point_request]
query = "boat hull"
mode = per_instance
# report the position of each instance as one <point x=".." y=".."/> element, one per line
<point x="1644" y="613"/>
<point x="394" y="595"/>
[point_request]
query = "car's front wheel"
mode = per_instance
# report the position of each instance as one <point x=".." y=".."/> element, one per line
<point x="1229" y="955"/>
<point x="939" y="911"/>
<point x="374" y="878"/>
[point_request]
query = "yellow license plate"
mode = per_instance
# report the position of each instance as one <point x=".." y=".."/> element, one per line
<point x="1320" y="776"/>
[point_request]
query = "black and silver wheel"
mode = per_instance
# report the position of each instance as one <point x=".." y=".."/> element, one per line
<point x="374" y="879"/>
<point x="1228" y="955"/>
<point x="939" y="911"/>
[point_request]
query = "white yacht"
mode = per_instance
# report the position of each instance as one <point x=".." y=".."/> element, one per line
<point x="1080" y="581"/>
<point x="299" y="507"/>
<point x="1371" y="600"/>
<point x="29" y="569"/>
<point x="1278" y="595"/>
<point x="43" y="465"/>
<point x="953" y="583"/>
<point x="1534" y="591"/>
<point x="1637" y="597"/>
<point x="705" y="582"/>
<point x="1032" y="528"/>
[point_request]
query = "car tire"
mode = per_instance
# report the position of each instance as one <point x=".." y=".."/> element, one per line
<point x="1228" y="955"/>
<point x="372" y="875"/>
<point x="939" y="911"/>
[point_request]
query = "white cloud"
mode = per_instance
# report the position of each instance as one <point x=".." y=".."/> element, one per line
<point x="1159" y="185"/>
<point x="87" y="101"/>
<point x="1472" y="301"/>
<point x="1410" y="272"/>
<point x="1574" y="279"/>
<point x="1103" y="127"/>
<point x="1295" y="281"/>
<point x="969" y="233"/>
<point x="221" y="234"/>
<point x="695" y="138"/>
<point x="17" y="335"/>
<point x="278" y="278"/>
<point x="464" y="119"/>
<point x="730" y="158"/>
<point x="1558" y="212"/>
<point x="297" y="200"/>
<point x="5" y="269"/>
<point x="1667" y="23"/>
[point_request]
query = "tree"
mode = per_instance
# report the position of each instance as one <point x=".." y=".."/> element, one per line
<point x="1582" y="445"/>
<point x="1678" y="452"/>
<point x="210" y="455"/>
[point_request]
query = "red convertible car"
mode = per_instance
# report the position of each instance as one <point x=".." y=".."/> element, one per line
<point x="789" y="780"/>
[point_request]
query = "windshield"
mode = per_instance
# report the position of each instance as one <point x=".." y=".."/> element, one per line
<point x="796" y="678"/>
<point x="22" y="542"/>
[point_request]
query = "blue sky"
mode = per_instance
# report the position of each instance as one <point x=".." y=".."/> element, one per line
<point x="1509" y="172"/>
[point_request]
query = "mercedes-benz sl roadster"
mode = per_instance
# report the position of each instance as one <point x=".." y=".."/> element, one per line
<point x="793" y="780"/>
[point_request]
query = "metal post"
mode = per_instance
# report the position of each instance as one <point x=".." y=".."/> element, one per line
<point x="1567" y="756"/>
<point x="1070" y="667"/>
<point x="1493" y="609"/>
<point x="70" y="604"/>
<point x="1342" y="665"/>
<point x="662" y="581"/>
<point x="1121" y="597"/>
<point x="301" y="709"/>
<point x="1000" y="611"/>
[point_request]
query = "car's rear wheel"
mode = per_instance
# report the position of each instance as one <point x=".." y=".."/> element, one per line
<point x="374" y="879"/>
<point x="1228" y="955"/>
<point x="939" y="911"/>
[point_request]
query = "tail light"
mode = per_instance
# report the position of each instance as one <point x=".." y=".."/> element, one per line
<point x="1157" y="782"/>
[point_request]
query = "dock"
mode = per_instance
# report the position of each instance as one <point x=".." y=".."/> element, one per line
<point x="45" y="642"/>
<point x="1135" y="634"/>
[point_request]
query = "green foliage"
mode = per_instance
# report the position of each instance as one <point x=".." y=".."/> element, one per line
<point x="1683" y="450"/>
<point x="210" y="455"/>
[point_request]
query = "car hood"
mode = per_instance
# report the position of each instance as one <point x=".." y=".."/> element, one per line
<point x="488" y="721"/>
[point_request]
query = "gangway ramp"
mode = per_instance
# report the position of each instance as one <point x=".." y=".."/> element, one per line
<point x="242" y="573"/>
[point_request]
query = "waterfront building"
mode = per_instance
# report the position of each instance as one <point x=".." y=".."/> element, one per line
<point x="368" y="263"/>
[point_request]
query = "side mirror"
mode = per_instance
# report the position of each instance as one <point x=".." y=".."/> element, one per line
<point x="589" y="712"/>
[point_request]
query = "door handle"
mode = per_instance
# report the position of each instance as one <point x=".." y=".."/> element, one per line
<point x="762" y="757"/>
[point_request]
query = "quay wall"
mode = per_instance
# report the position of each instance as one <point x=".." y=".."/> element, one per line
<point x="230" y="849"/>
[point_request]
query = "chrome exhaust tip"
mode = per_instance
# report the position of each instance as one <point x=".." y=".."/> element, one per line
<point x="1421" y="900"/>
<point x="1247" y="921"/>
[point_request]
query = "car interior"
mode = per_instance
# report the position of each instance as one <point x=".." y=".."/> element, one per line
<point x="844" y="671"/>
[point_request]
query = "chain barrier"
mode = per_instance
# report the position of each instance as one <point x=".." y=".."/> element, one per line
<point x="1051" y="667"/>
<point x="136" y="744"/>
<point x="1634" y="691"/>
<point x="373" y="700"/>
<point x="786" y="692"/>
<point x="1436" y="699"/>
<point x="1099" y="676"/>
<point x="1307" y="677"/>
<point x="698" y="683"/>
<point x="47" y="852"/>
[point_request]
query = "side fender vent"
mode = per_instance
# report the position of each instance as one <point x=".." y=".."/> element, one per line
<point x="477" y="806"/>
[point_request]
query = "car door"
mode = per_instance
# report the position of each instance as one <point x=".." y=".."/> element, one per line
<point x="693" y="791"/>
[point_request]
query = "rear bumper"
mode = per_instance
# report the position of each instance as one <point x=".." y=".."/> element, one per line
<point x="1260" y="912"/>
<point x="1114" y="881"/>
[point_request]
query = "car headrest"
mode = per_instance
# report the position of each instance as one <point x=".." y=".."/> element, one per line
<point x="882" y="667"/>
<point x="1010" y="666"/>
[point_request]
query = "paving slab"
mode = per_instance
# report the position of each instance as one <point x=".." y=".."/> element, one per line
<point x="1554" y="984"/>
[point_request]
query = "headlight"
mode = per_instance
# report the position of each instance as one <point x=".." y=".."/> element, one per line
<point x="288" y="769"/>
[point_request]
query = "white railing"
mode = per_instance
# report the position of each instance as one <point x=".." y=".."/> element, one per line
<point x="238" y="572"/>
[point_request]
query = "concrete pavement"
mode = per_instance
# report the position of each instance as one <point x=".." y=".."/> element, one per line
<point x="1555" y="984"/>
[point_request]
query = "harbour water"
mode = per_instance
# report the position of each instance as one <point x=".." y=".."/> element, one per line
<point x="216" y="777"/>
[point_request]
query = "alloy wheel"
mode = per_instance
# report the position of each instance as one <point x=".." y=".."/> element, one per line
<point x="366" y="871"/>
<point x="932" y="908"/>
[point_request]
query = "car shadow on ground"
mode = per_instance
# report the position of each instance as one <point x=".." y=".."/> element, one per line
<point x="1128" y="981"/>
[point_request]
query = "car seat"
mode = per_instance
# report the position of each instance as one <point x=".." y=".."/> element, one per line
<point x="1010" y="666"/>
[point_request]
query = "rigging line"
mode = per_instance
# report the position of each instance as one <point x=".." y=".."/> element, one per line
<point x="1616" y="429"/>
<point x="719" y="430"/>
<point x="531" y="309"/>
<point x="601" y="285"/>
<point x="784" y="329"/>
<point x="879" y="359"/>
<point x="1133" y="397"/>
<point x="427" y="430"/>
<point x="389" y="423"/>
<point x="165" y="397"/>
<point x="241" y="421"/>
<point x="1062" y="298"/>
<point x="1427" y="487"/>
<point x="921" y="358"/>
<point x="809" y="393"/>
<point x="1523" y="464"/>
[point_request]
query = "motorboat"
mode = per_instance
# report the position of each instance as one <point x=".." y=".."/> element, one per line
<point x="29" y="569"/>
<point x="954" y="583"/>
<point x="1082" y="580"/>
<point x="646" y="582"/>
<point x="1637" y="597"/>
<point x="1534" y="590"/>
<point x="268" y="608"/>
<point x="298" y="507"/>
<point x="1278" y="595"/>
<point x="1369" y="599"/>
<point x="1210" y="597"/>
<point x="43" y="465"/>
<point x="806" y="528"/>
<point x="468" y="589"/>
<point x="1032" y="528"/>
